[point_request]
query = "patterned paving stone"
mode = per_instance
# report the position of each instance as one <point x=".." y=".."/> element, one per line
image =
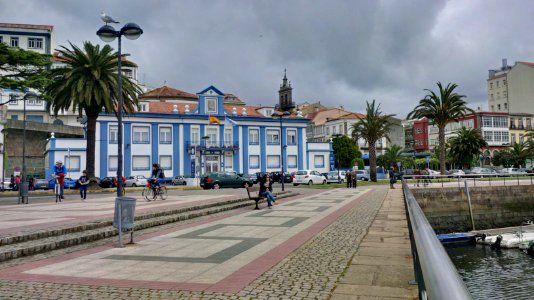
<point x="311" y="271"/>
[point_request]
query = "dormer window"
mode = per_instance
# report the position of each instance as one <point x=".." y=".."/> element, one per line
<point x="211" y="105"/>
<point x="143" y="107"/>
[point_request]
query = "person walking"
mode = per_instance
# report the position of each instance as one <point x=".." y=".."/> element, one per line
<point x="266" y="189"/>
<point x="12" y="183"/>
<point x="348" y="178"/>
<point x="84" y="183"/>
<point x="354" y="177"/>
<point x="392" y="179"/>
<point x="17" y="182"/>
<point x="30" y="183"/>
<point x="58" y="172"/>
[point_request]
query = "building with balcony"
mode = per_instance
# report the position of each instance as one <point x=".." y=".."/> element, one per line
<point x="520" y="126"/>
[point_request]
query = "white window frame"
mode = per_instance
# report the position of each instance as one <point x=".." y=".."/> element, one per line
<point x="271" y="133"/>
<point x="315" y="161"/>
<point x="143" y="107"/>
<point x="195" y="135"/>
<point x="228" y="136"/>
<point x="167" y="135"/>
<point x="250" y="159"/>
<point x="35" y="43"/>
<point x="291" y="133"/>
<point x="113" y="162"/>
<point x="161" y="162"/>
<point x="139" y="139"/>
<point x="273" y="161"/>
<point x="140" y="167"/>
<point x="210" y="101"/>
<point x="14" y="40"/>
<point x="113" y="134"/>
<point x="228" y="160"/>
<point x="253" y="132"/>
<point x="213" y="134"/>
<point x="73" y="163"/>
<point x="290" y="163"/>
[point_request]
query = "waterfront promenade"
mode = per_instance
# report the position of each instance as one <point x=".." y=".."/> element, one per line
<point x="297" y="250"/>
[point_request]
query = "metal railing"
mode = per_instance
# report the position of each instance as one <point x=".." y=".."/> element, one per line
<point x="435" y="273"/>
<point x="493" y="179"/>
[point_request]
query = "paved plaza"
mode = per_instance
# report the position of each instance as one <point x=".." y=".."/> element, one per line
<point x="296" y="250"/>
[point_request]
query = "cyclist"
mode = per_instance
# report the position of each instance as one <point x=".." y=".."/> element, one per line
<point x="156" y="176"/>
<point x="58" y="172"/>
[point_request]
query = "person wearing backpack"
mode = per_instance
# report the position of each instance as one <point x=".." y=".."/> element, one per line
<point x="157" y="175"/>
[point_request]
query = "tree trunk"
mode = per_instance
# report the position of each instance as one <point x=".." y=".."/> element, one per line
<point x="372" y="161"/>
<point x="441" y="138"/>
<point x="90" y="152"/>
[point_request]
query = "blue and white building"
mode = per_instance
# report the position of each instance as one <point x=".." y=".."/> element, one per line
<point x="177" y="135"/>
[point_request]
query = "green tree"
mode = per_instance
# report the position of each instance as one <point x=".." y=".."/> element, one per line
<point x="345" y="150"/>
<point x="391" y="156"/>
<point x="22" y="68"/>
<point x="441" y="108"/>
<point x="520" y="152"/>
<point x="87" y="84"/>
<point x="374" y="126"/>
<point x="466" y="145"/>
<point x="503" y="158"/>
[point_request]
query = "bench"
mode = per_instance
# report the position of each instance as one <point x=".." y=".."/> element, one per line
<point x="255" y="198"/>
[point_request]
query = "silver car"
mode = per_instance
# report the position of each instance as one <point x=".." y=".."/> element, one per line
<point x="335" y="177"/>
<point x="136" y="180"/>
<point x="179" y="180"/>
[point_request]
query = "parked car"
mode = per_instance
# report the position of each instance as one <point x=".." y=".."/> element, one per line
<point x="40" y="184"/>
<point x="276" y="176"/>
<point x="335" y="177"/>
<point x="454" y="173"/>
<point x="308" y="177"/>
<point x="217" y="180"/>
<point x="433" y="173"/>
<point x="512" y="172"/>
<point x="5" y="185"/>
<point x="482" y="172"/>
<point x="69" y="183"/>
<point x="408" y="173"/>
<point x="179" y="180"/>
<point x="362" y="175"/>
<point x="107" y="182"/>
<point x="259" y="176"/>
<point x="136" y="180"/>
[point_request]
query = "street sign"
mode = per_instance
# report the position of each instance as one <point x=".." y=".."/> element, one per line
<point x="193" y="168"/>
<point x="428" y="159"/>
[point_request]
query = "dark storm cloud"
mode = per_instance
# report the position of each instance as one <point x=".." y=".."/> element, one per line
<point x="338" y="52"/>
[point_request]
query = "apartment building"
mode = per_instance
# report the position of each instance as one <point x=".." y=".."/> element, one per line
<point x="510" y="88"/>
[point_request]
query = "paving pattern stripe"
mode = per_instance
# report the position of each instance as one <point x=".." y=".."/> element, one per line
<point x="16" y="272"/>
<point x="244" y="276"/>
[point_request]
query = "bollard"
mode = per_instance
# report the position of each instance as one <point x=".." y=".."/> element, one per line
<point x="124" y="216"/>
<point x="23" y="192"/>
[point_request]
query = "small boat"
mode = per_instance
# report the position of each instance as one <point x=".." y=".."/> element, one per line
<point x="490" y="239"/>
<point x="456" y="238"/>
<point x="513" y="242"/>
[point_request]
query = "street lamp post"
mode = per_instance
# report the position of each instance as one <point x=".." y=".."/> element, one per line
<point x="280" y="116"/>
<point x="336" y="160"/>
<point x="23" y="188"/>
<point x="205" y="138"/>
<point x="107" y="34"/>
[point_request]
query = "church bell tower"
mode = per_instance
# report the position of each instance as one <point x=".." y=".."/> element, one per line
<point x="285" y="100"/>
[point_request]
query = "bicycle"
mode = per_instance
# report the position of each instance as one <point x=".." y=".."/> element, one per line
<point x="57" y="190"/>
<point x="151" y="192"/>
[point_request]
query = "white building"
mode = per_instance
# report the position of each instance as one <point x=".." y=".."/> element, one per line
<point x="510" y="88"/>
<point x="178" y="136"/>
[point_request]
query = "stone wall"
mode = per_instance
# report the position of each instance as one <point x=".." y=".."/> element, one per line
<point x="447" y="209"/>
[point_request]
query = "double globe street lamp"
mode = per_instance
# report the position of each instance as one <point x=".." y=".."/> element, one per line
<point x="108" y="34"/>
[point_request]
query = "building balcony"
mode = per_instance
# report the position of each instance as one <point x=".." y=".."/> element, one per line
<point x="213" y="145"/>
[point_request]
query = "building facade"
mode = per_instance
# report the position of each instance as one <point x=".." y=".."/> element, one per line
<point x="510" y="88"/>
<point x="179" y="136"/>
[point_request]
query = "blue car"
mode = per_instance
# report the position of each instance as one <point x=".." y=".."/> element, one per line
<point x="69" y="183"/>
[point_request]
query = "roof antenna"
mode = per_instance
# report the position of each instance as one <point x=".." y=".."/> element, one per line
<point x="164" y="82"/>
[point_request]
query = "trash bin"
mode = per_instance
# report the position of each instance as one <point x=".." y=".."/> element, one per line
<point x="124" y="213"/>
<point x="23" y="192"/>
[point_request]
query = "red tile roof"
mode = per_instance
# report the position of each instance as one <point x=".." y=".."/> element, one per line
<point x="168" y="107"/>
<point x="166" y="92"/>
<point x="27" y="26"/>
<point x="351" y="115"/>
<point x="530" y="64"/>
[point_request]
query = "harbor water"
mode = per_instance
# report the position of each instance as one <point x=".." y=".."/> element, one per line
<point x="494" y="274"/>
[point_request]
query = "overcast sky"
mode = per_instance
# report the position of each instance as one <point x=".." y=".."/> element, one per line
<point x="336" y="52"/>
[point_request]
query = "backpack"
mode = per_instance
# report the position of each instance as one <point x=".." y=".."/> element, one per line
<point x="161" y="174"/>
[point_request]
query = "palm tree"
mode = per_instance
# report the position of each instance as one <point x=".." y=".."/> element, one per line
<point x="391" y="156"/>
<point x="465" y="145"/>
<point x="440" y="109"/>
<point x="87" y="84"/>
<point x="520" y="152"/>
<point x="372" y="128"/>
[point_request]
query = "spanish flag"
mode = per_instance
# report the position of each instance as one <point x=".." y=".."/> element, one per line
<point x="214" y="120"/>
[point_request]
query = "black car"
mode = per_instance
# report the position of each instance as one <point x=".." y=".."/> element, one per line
<point x="276" y="176"/>
<point x="107" y="182"/>
<point x="217" y="180"/>
<point x="259" y="176"/>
